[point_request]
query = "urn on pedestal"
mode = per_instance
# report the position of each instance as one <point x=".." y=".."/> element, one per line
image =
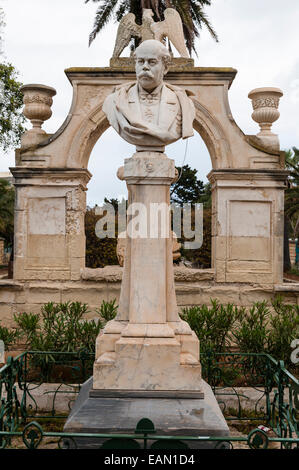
<point x="265" y="102"/>
<point x="38" y="102"/>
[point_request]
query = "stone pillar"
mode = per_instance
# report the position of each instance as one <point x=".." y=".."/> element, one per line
<point x="148" y="346"/>
<point x="49" y="223"/>
<point x="247" y="231"/>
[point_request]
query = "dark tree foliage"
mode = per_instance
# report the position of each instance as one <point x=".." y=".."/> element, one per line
<point x="201" y="257"/>
<point x="11" y="102"/>
<point x="292" y="193"/>
<point x="291" y="207"/>
<point x="102" y="252"/>
<point x="99" y="252"/>
<point x="192" y="14"/>
<point x="7" y="199"/>
<point x="188" y="188"/>
<point x="114" y="202"/>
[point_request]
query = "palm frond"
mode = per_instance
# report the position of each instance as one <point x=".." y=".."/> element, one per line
<point x="200" y="18"/>
<point x="192" y="14"/>
<point x="123" y="8"/>
<point x="103" y="15"/>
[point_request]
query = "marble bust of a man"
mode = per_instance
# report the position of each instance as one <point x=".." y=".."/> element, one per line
<point x="150" y="114"/>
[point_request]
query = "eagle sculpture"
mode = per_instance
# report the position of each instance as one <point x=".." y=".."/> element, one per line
<point x="170" y="28"/>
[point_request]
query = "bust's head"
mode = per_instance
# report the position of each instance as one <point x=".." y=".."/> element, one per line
<point x="152" y="62"/>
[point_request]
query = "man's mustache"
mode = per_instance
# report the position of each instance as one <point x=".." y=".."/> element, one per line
<point x="145" y="74"/>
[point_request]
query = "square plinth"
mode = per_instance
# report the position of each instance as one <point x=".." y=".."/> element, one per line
<point x="172" y="415"/>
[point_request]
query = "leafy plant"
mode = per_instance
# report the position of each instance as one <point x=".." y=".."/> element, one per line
<point x="212" y="325"/>
<point x="9" y="336"/>
<point x="108" y="310"/>
<point x="11" y="102"/>
<point x="284" y="328"/>
<point x="28" y="323"/>
<point x="253" y="330"/>
<point x="251" y="335"/>
<point x="59" y="327"/>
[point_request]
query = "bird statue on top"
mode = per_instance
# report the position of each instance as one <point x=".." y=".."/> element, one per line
<point x="171" y="28"/>
<point x="150" y="113"/>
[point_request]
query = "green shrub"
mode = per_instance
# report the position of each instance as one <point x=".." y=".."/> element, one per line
<point x="28" y="324"/>
<point x="253" y="330"/>
<point x="251" y="334"/>
<point x="284" y="328"/>
<point x="59" y="327"/>
<point x="212" y="325"/>
<point x="9" y="336"/>
<point x="108" y="310"/>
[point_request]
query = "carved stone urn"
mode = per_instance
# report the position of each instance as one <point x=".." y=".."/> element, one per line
<point x="265" y="102"/>
<point x="38" y="102"/>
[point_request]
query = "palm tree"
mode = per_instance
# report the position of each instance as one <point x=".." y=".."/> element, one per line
<point x="191" y="12"/>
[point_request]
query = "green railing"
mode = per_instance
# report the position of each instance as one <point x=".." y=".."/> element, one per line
<point x="277" y="405"/>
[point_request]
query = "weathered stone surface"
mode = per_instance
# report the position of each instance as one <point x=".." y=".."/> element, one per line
<point x="188" y="293"/>
<point x="265" y="102"/>
<point x="53" y="169"/>
<point x="50" y="207"/>
<point x="114" y="274"/>
<point x="184" y="416"/>
<point x="146" y="364"/>
<point x="38" y="102"/>
<point x="247" y="239"/>
<point x="108" y="274"/>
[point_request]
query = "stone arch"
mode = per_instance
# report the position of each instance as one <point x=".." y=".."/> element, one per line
<point x="213" y="136"/>
<point x="246" y="179"/>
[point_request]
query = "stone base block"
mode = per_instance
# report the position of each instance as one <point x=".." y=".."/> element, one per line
<point x="171" y="415"/>
<point x="147" y="364"/>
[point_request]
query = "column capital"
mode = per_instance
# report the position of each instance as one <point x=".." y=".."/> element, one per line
<point x="149" y="168"/>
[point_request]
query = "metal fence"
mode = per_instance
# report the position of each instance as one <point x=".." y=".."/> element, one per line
<point x="277" y="404"/>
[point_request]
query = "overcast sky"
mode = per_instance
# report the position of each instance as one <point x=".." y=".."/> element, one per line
<point x="257" y="37"/>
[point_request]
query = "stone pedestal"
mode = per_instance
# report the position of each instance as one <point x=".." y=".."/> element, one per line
<point x="247" y="228"/>
<point x="147" y="359"/>
<point x="173" y="414"/>
<point x="148" y="346"/>
<point x="49" y="223"/>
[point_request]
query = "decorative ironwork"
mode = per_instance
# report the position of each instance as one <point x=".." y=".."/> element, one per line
<point x="32" y="435"/>
<point x="277" y="405"/>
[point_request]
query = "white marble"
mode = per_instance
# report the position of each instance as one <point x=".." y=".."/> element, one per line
<point x="150" y="113"/>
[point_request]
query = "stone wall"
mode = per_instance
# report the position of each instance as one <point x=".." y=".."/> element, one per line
<point x="193" y="287"/>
